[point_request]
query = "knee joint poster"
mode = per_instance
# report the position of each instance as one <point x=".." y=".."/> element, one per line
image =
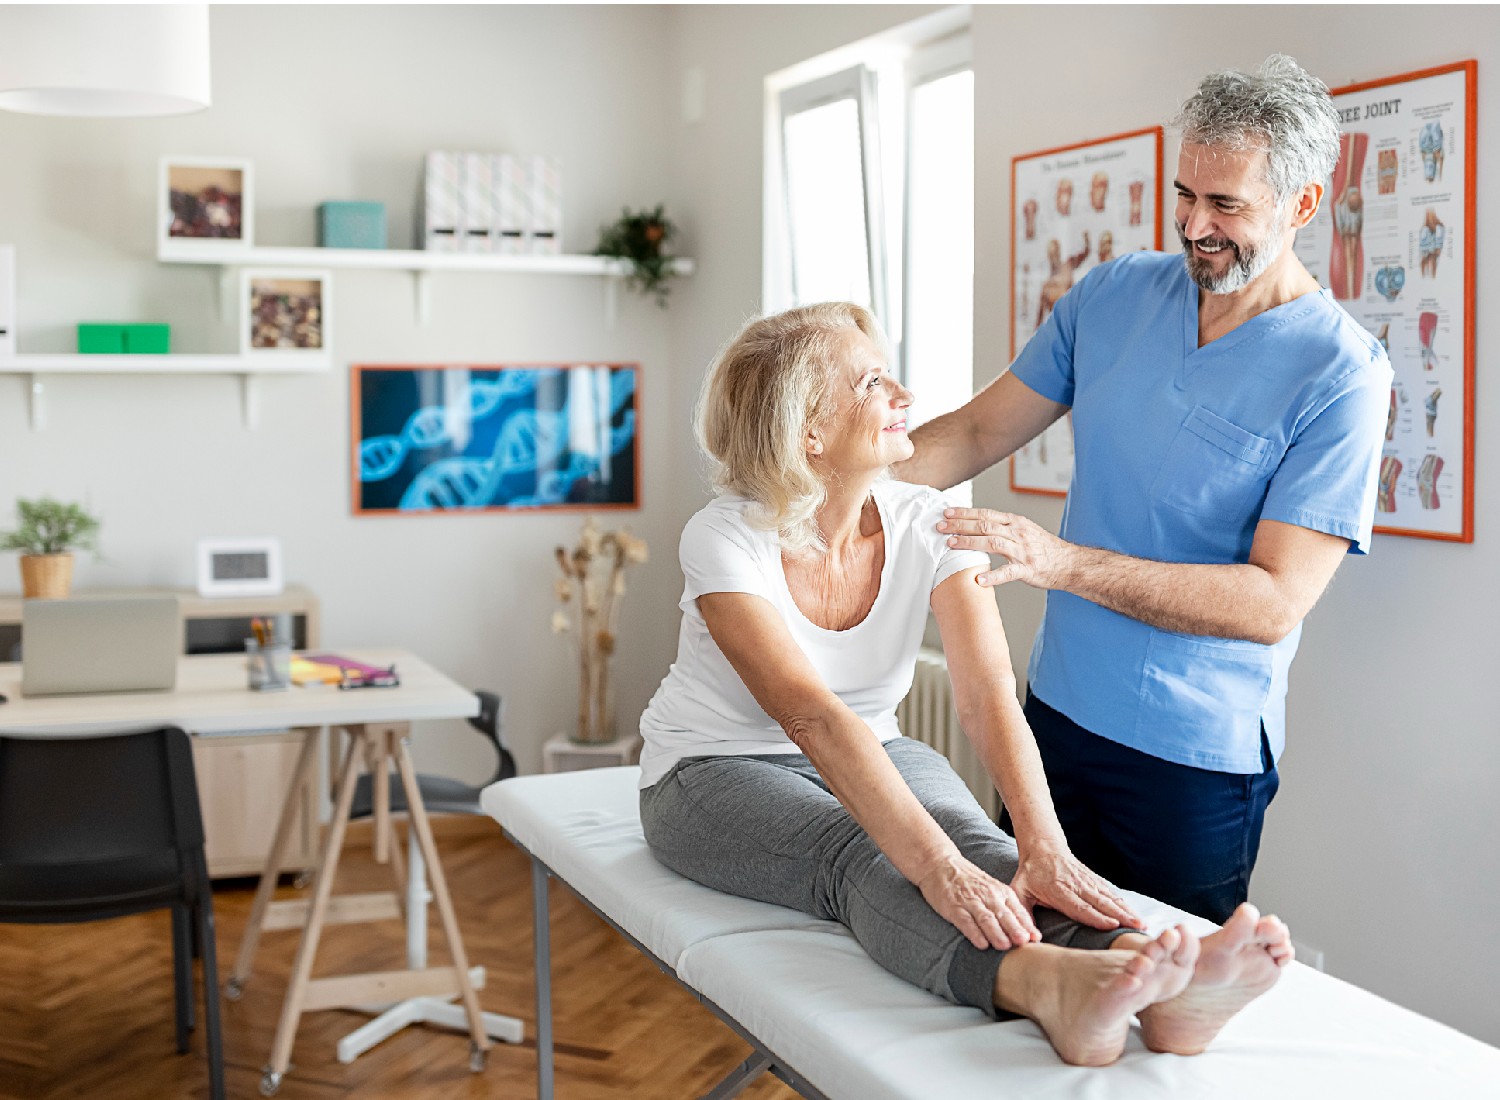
<point x="1394" y="242"/>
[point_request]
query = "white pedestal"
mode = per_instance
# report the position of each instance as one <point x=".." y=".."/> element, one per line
<point x="561" y="755"/>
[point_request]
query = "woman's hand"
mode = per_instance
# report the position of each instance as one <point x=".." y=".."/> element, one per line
<point x="1055" y="878"/>
<point x="988" y="912"/>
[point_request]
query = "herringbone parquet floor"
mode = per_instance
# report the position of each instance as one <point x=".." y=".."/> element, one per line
<point x="86" y="1009"/>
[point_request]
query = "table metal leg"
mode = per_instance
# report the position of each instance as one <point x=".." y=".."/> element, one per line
<point x="541" y="922"/>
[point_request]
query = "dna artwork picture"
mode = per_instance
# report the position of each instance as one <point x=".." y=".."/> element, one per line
<point x="481" y="438"/>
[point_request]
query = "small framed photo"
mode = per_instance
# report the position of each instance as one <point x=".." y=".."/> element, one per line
<point x="205" y="201"/>
<point x="284" y="313"/>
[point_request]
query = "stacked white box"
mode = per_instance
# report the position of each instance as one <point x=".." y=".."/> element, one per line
<point x="441" y="198"/>
<point x="477" y="205"/>
<point x="7" y="299"/>
<point x="546" y="204"/>
<point x="512" y="204"/>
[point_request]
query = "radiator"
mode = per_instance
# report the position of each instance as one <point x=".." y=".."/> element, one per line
<point x="927" y="714"/>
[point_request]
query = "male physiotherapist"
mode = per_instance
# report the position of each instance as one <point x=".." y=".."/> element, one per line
<point x="1228" y="417"/>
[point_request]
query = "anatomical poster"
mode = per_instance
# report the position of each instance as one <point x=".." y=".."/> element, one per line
<point x="1072" y="209"/>
<point x="1394" y="242"/>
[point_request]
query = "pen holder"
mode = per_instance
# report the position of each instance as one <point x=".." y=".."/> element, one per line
<point x="270" y="665"/>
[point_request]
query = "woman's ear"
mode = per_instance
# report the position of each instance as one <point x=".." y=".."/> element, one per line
<point x="814" y="444"/>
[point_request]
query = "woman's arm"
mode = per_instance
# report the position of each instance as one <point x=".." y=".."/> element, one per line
<point x="751" y="634"/>
<point x="984" y="688"/>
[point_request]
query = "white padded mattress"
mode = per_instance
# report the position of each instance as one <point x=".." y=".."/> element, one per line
<point x="811" y="995"/>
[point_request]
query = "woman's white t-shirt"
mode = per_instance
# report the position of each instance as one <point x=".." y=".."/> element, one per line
<point x="703" y="708"/>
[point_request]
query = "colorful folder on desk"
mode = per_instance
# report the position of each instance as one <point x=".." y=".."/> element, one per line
<point x="327" y="668"/>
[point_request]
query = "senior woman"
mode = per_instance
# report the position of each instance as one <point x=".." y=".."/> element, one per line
<point x="773" y="766"/>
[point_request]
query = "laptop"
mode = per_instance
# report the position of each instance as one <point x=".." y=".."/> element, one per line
<point x="90" y="646"/>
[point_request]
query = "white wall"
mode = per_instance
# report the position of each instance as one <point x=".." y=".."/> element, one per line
<point x="342" y="103"/>
<point x="1383" y="848"/>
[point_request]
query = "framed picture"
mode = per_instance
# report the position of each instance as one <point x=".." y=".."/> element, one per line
<point x="1073" y="208"/>
<point x="284" y="313"/>
<point x="494" y="438"/>
<point x="1394" y="243"/>
<point x="205" y="202"/>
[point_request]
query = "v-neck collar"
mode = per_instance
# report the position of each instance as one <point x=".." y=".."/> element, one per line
<point x="1253" y="329"/>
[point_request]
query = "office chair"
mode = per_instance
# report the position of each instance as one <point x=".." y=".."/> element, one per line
<point x="100" y="827"/>
<point x="440" y="794"/>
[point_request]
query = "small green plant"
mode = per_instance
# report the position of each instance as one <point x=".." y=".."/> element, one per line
<point x="50" y="527"/>
<point x="641" y="238"/>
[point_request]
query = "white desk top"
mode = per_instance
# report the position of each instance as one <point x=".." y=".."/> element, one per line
<point x="212" y="697"/>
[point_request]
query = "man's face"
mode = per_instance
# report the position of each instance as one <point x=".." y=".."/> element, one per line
<point x="1227" y="217"/>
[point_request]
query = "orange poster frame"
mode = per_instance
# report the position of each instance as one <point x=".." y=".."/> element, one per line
<point x="1019" y="272"/>
<point x="1469" y="129"/>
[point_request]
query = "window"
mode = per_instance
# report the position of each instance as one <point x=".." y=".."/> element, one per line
<point x="870" y="198"/>
<point x="832" y="198"/>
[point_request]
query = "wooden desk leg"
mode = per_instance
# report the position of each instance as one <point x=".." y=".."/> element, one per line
<point x="480" y="1042"/>
<point x="380" y="789"/>
<point x="291" y="1008"/>
<point x="267" y="886"/>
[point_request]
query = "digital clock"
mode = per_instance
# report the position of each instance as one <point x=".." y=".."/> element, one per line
<point x="239" y="566"/>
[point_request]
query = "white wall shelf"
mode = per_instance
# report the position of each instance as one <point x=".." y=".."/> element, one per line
<point x="247" y="367"/>
<point x="418" y="262"/>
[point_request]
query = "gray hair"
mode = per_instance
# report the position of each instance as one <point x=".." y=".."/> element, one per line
<point x="1280" y="109"/>
<point x="767" y="387"/>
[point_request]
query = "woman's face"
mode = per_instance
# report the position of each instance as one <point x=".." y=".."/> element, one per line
<point x="865" y="429"/>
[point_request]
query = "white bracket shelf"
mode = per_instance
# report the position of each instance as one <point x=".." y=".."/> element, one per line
<point x="419" y="263"/>
<point x="36" y="368"/>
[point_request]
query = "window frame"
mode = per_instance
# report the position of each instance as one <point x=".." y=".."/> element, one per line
<point x="858" y="82"/>
<point x="925" y="64"/>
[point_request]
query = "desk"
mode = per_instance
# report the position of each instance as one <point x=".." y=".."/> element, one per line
<point x="211" y="697"/>
<point x="237" y="776"/>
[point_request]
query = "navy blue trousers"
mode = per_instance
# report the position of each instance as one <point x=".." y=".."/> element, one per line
<point x="1183" y="835"/>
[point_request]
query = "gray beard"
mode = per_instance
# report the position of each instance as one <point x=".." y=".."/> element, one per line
<point x="1250" y="263"/>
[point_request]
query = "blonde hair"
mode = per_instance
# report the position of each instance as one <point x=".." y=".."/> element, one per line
<point x="766" y="389"/>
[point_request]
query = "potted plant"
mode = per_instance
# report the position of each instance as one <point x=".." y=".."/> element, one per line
<point x="641" y="239"/>
<point x="49" y="531"/>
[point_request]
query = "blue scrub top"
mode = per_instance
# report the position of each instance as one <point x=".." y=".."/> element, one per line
<point x="1179" y="451"/>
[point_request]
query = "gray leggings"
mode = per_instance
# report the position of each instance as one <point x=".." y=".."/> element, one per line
<point x="767" y="827"/>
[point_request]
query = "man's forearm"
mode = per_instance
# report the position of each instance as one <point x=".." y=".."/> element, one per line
<point x="1240" y="601"/>
<point x="945" y="450"/>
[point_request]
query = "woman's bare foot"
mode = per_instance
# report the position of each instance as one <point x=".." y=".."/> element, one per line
<point x="1236" y="964"/>
<point x="1084" y="1000"/>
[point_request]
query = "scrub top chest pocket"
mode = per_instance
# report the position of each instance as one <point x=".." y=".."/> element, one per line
<point x="1208" y="493"/>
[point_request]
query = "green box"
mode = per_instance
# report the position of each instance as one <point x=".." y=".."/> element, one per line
<point x="148" y="338"/>
<point x="118" y="338"/>
<point x="95" y="338"/>
<point x="351" y="225"/>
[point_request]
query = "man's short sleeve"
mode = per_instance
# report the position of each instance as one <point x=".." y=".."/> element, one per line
<point x="1327" y="479"/>
<point x="719" y="552"/>
<point x="1046" y="362"/>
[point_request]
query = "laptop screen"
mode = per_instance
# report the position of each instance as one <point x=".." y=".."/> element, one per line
<point x="99" y="645"/>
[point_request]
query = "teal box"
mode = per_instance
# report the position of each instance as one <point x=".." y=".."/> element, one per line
<point x="351" y="225"/>
<point x="148" y="338"/>
<point x="95" y="338"/>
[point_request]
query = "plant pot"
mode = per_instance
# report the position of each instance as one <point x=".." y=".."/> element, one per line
<point x="46" y="576"/>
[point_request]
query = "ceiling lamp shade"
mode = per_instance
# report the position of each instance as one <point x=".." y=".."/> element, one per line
<point x="97" y="61"/>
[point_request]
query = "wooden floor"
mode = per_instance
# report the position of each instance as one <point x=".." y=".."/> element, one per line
<point x="86" y="1010"/>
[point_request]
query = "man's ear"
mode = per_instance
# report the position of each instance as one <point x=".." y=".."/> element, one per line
<point x="1305" y="205"/>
